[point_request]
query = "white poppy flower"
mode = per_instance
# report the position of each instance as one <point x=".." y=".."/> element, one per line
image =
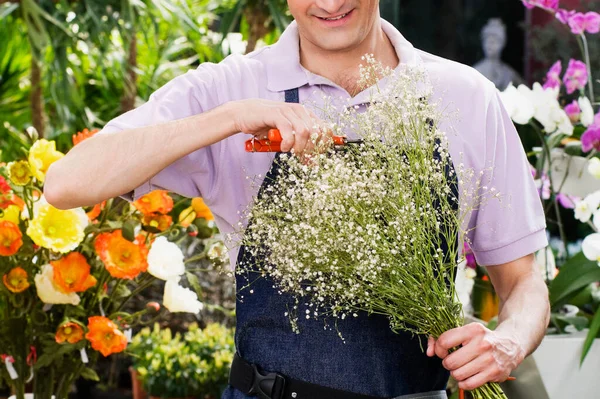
<point x="180" y="299"/>
<point x="49" y="292"/>
<point x="591" y="247"/>
<point x="165" y="259"/>
<point x="518" y="106"/>
<point x="587" y="111"/>
<point x="593" y="167"/>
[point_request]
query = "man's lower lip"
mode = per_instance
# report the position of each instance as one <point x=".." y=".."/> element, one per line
<point x="336" y="22"/>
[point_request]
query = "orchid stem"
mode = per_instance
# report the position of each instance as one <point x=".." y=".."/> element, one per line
<point x="586" y="54"/>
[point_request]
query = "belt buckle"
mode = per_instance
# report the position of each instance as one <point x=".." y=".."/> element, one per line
<point x="266" y="386"/>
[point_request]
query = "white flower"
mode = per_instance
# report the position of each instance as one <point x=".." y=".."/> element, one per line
<point x="49" y="292"/>
<point x="217" y="251"/>
<point x="591" y="247"/>
<point x="165" y="259"/>
<point x="587" y="111"/>
<point x="546" y="262"/>
<point x="596" y="219"/>
<point x="594" y="167"/>
<point x="180" y="299"/>
<point x="547" y="109"/>
<point x="518" y="106"/>
<point x="585" y="208"/>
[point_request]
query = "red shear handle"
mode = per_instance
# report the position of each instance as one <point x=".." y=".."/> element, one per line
<point x="273" y="142"/>
<point x="275" y="135"/>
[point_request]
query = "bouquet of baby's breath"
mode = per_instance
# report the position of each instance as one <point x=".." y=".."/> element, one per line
<point x="373" y="227"/>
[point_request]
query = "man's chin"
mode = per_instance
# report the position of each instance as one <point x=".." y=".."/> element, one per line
<point x="337" y="43"/>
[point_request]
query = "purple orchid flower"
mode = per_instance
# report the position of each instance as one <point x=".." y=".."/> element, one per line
<point x="591" y="139"/>
<point x="573" y="111"/>
<point x="547" y="4"/>
<point x="553" y="76"/>
<point x="564" y="15"/>
<point x="581" y="23"/>
<point x="576" y="76"/>
<point x="567" y="201"/>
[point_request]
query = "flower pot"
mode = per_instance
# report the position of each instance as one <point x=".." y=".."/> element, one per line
<point x="557" y="360"/>
<point x="136" y="385"/>
<point x="578" y="182"/>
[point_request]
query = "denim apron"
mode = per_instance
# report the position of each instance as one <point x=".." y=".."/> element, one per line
<point x="372" y="360"/>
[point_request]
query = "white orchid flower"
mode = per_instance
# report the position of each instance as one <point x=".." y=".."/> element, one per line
<point x="165" y="259"/>
<point x="587" y="111"/>
<point x="593" y="167"/>
<point x="547" y="109"/>
<point x="180" y="299"/>
<point x="518" y="106"/>
<point x="591" y="247"/>
<point x="585" y="208"/>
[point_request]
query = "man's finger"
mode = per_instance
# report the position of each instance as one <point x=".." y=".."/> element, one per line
<point x="478" y="365"/>
<point x="475" y="381"/>
<point x="463" y="356"/>
<point x="460" y="336"/>
<point x="431" y="347"/>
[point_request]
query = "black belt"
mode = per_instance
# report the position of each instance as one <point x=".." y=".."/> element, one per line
<point x="247" y="378"/>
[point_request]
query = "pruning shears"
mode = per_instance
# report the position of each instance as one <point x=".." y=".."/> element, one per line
<point x="273" y="142"/>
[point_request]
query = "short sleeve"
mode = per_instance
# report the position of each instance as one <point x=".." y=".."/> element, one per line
<point x="513" y="226"/>
<point x="184" y="96"/>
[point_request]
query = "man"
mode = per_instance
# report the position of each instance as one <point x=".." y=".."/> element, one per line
<point x="187" y="139"/>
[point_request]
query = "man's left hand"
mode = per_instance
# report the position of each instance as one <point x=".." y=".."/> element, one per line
<point x="483" y="355"/>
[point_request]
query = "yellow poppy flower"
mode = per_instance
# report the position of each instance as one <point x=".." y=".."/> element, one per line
<point x="41" y="155"/>
<point x="19" y="172"/>
<point x="58" y="230"/>
<point x="11" y="213"/>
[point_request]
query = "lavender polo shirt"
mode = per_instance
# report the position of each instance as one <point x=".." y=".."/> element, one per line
<point x="485" y="139"/>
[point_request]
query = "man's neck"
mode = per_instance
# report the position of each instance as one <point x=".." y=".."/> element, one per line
<point x="342" y="67"/>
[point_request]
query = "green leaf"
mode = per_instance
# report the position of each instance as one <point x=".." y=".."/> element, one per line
<point x="574" y="149"/>
<point x="129" y="230"/>
<point x="90" y="374"/>
<point x="7" y="10"/>
<point x="579" y="322"/>
<point x="575" y="274"/>
<point x="193" y="280"/>
<point x="592" y="334"/>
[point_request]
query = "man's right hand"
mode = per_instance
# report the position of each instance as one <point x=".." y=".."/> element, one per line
<point x="300" y="128"/>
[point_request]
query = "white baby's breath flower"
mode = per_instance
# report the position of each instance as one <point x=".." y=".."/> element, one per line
<point x="165" y="259"/>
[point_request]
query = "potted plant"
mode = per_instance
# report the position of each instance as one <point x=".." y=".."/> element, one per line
<point x="193" y="365"/>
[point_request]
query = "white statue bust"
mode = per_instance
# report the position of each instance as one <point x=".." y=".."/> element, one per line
<point x="493" y="38"/>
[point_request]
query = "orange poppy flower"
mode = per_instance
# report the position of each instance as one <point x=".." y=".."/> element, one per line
<point x="122" y="258"/>
<point x="85" y="134"/>
<point x="72" y="273"/>
<point x="11" y="238"/>
<point x="4" y="186"/>
<point x="16" y="280"/>
<point x="202" y="211"/>
<point x="161" y="222"/>
<point x="69" y="332"/>
<point x="105" y="336"/>
<point x="8" y="199"/>
<point x="95" y="211"/>
<point x="157" y="201"/>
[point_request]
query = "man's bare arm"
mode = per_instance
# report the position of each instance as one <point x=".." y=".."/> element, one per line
<point x="485" y="355"/>
<point x="108" y="165"/>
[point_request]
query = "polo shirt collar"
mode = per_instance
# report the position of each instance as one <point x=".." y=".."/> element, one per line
<point x="285" y="72"/>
